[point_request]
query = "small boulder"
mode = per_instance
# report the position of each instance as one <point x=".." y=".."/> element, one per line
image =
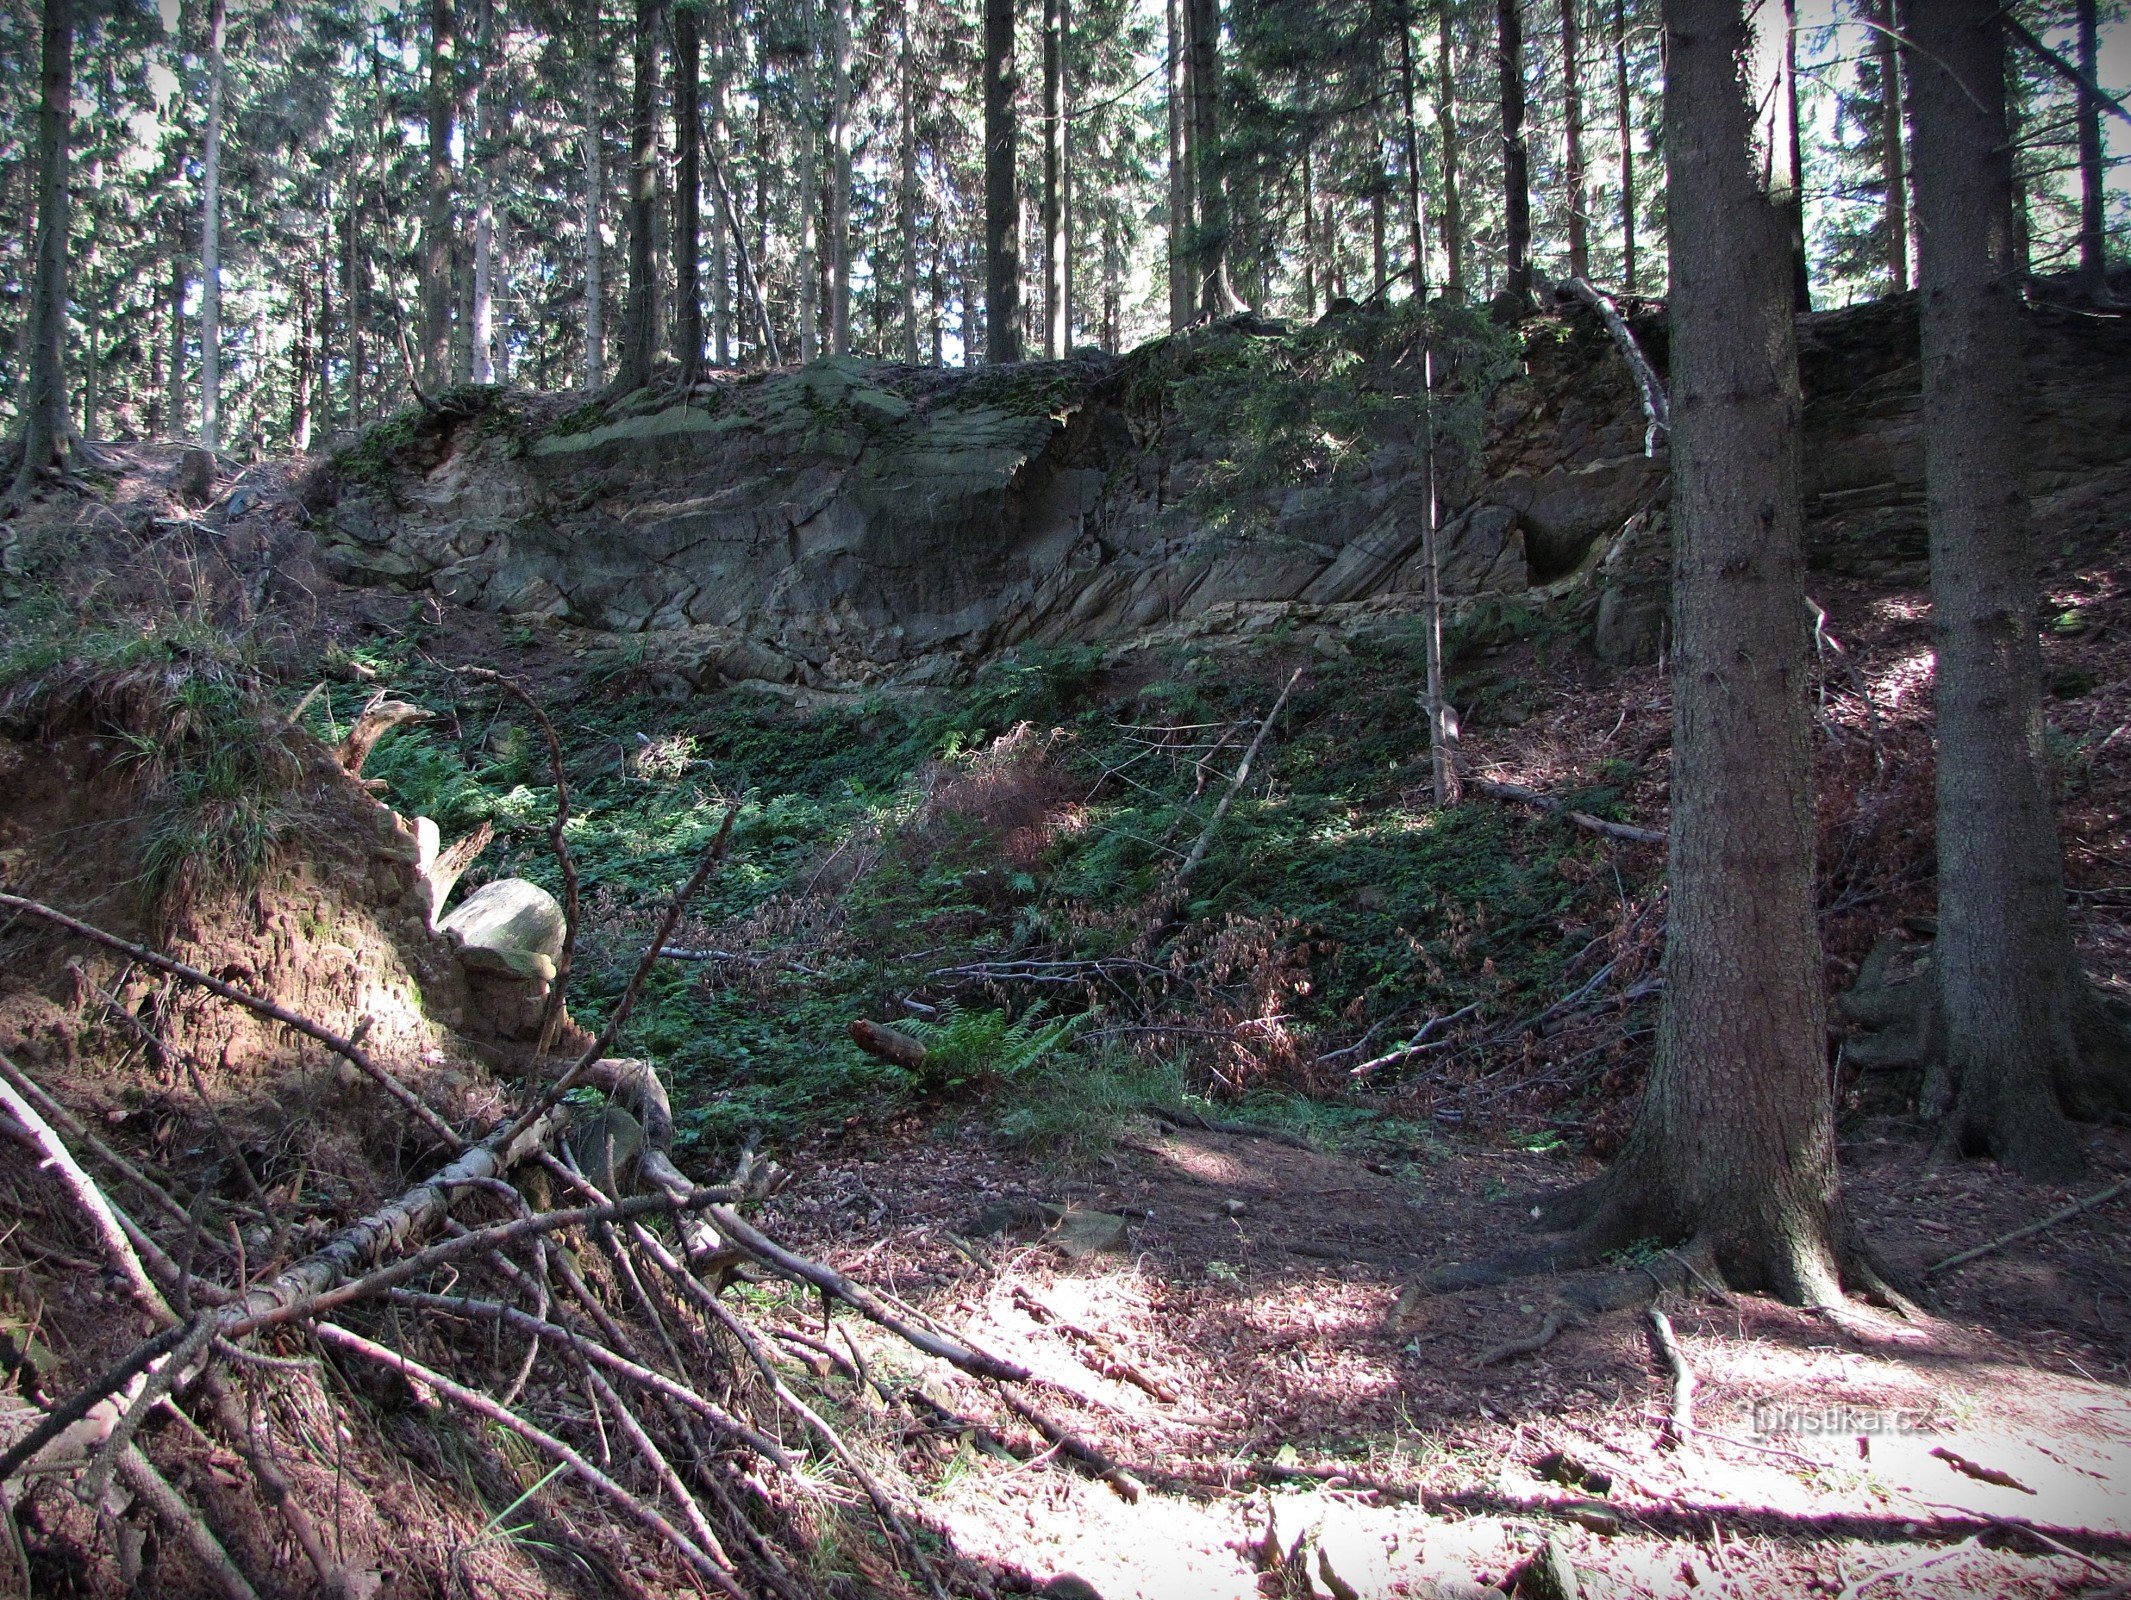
<point x="511" y="915"/>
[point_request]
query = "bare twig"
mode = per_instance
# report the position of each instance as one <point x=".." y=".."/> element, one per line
<point x="2033" y="1228"/>
<point x="649" y="1517"/>
<point x="1235" y="784"/>
<point x="153" y="1488"/>
<point x="1657" y="410"/>
<point x="1581" y="819"/>
<point x="1527" y="1344"/>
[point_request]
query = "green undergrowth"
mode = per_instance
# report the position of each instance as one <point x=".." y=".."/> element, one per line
<point x="885" y="849"/>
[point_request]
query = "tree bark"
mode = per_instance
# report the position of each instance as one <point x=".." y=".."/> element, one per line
<point x="1002" y="203"/>
<point x="2007" y="973"/>
<point x="211" y="233"/>
<point x="1057" y="245"/>
<point x="906" y="187"/>
<point x="1792" y="152"/>
<point x="1893" y="168"/>
<point x="1182" y="298"/>
<point x="2093" y="234"/>
<point x="810" y="189"/>
<point x="1209" y="181"/>
<point x="839" y="209"/>
<point x="1309" y="236"/>
<point x="175" y="422"/>
<point x="687" y="188"/>
<point x="481" y="324"/>
<point x="640" y="324"/>
<point x="441" y="103"/>
<point x="1624" y="109"/>
<point x="595" y="369"/>
<point x="722" y="239"/>
<point x="1733" y="1147"/>
<point x="303" y="362"/>
<point x="1572" y="137"/>
<point x="1416" y="205"/>
<point x="1516" y="157"/>
<point x="44" y="408"/>
<point x="1453" y="146"/>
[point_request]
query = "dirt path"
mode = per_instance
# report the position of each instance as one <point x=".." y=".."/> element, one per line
<point x="1251" y="1339"/>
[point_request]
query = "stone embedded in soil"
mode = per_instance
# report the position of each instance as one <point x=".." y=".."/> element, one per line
<point x="512" y="916"/>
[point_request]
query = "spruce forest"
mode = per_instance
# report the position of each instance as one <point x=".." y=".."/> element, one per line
<point x="1114" y="799"/>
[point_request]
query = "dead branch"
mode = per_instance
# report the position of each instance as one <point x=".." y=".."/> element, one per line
<point x="1113" y="1362"/>
<point x="558" y="846"/>
<point x="1903" y="1569"/>
<point x="83" y="1401"/>
<point x="859" y="1298"/>
<point x="621" y="1366"/>
<point x="1418" y="1043"/>
<point x="117" y="1246"/>
<point x="712" y="857"/>
<point x="1679" y="1422"/>
<point x="1235" y="784"/>
<point x="1071" y="1444"/>
<point x="73" y="1128"/>
<point x="646" y="1516"/>
<point x="1657" y="410"/>
<point x="450" y="866"/>
<point x="153" y="1488"/>
<point x="378" y="718"/>
<point x="1978" y="1471"/>
<point x="2033" y="1228"/>
<point x="1581" y="819"/>
<point x="238" y="1426"/>
<point x="1178" y="1117"/>
<point x="346" y="1049"/>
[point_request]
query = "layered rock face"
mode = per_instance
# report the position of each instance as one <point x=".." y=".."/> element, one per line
<point x="854" y="522"/>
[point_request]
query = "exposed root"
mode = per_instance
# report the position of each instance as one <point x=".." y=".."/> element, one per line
<point x="1679" y="1419"/>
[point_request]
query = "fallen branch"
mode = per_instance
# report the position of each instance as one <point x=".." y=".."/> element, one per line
<point x="1582" y="819"/>
<point x="378" y="718"/>
<point x="1235" y="785"/>
<point x="649" y="1517"/>
<point x="1903" y="1569"/>
<point x="86" y="1399"/>
<point x="346" y="1049"/>
<point x="2052" y="1220"/>
<point x="1417" y="1044"/>
<point x="1071" y="1444"/>
<point x="1242" y="1130"/>
<point x="1112" y="1362"/>
<point x="891" y="1045"/>
<point x="1679" y="1420"/>
<point x="154" y="1489"/>
<point x="1657" y="410"/>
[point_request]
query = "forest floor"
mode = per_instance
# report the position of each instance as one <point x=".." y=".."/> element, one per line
<point x="1251" y="1349"/>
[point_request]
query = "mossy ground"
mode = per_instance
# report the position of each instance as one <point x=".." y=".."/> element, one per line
<point x="892" y="856"/>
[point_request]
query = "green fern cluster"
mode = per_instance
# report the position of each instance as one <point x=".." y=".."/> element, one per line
<point x="964" y="1047"/>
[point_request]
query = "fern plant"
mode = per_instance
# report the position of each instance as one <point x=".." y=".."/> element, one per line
<point x="966" y="1047"/>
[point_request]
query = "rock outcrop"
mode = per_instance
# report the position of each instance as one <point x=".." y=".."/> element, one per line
<point x="855" y="522"/>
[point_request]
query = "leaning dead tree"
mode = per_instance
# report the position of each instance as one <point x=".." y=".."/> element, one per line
<point x="556" y="1282"/>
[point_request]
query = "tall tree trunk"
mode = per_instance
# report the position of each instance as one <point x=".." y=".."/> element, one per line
<point x="640" y="322"/>
<point x="1516" y="157"/>
<point x="1183" y="297"/>
<point x="1893" y="168"/>
<point x="1453" y="146"/>
<point x="810" y="188"/>
<point x="352" y="298"/>
<point x="1416" y="206"/>
<point x="906" y="186"/>
<point x="1790" y="153"/>
<point x="153" y="422"/>
<point x="303" y="363"/>
<point x="1057" y="248"/>
<point x="2009" y="983"/>
<point x="595" y="287"/>
<point x="1733" y="1147"/>
<point x="176" y="388"/>
<point x="687" y="187"/>
<point x="481" y="323"/>
<point x="1379" y="256"/>
<point x="441" y="102"/>
<point x="1217" y="298"/>
<point x="211" y="233"/>
<point x="325" y="317"/>
<point x="2093" y="234"/>
<point x="839" y="177"/>
<point x="1002" y="202"/>
<point x="1309" y="235"/>
<point x="1572" y="139"/>
<point x="721" y="238"/>
<point x="1624" y="110"/>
